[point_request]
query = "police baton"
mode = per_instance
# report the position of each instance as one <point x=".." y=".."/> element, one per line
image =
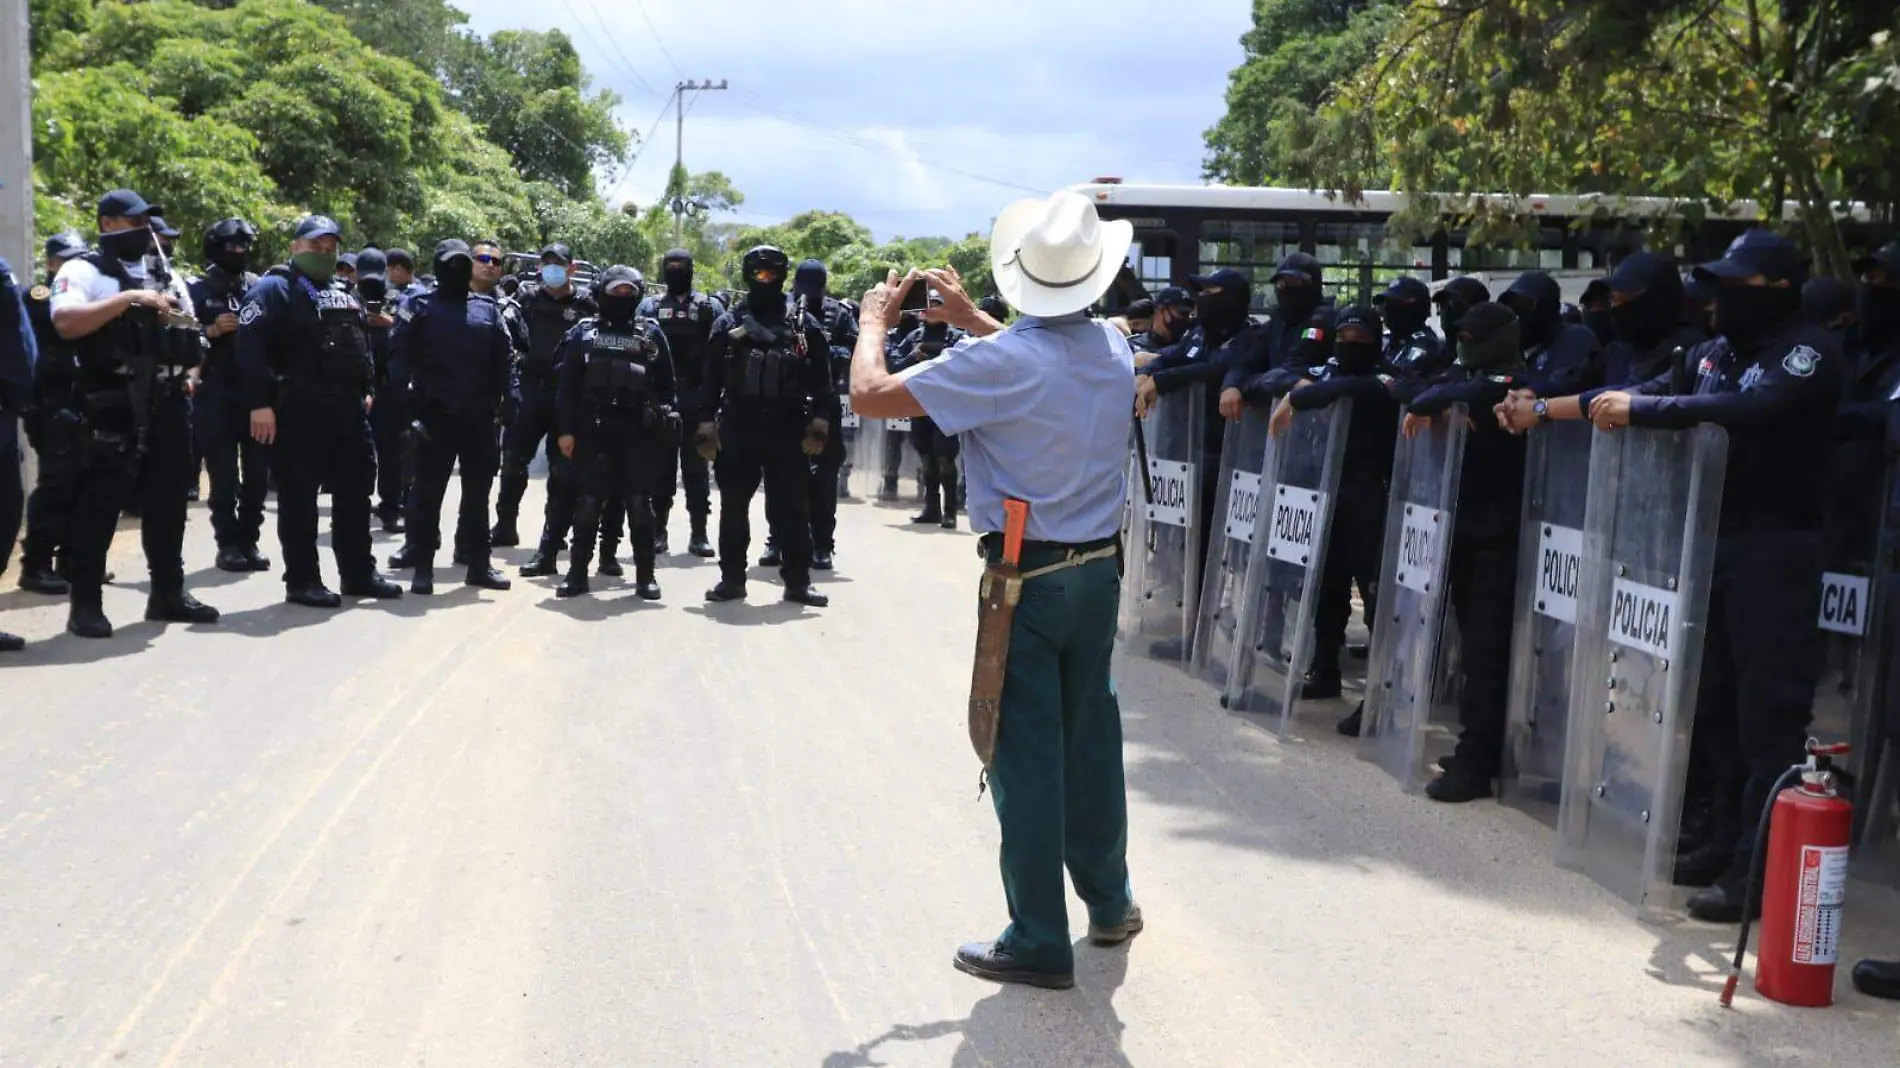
<point x="1141" y="454"/>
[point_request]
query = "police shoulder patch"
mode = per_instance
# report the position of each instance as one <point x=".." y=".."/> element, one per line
<point x="40" y="293"/>
<point x="252" y="312"/>
<point x="1801" y="362"/>
<point x="570" y="315"/>
<point x="1314" y="333"/>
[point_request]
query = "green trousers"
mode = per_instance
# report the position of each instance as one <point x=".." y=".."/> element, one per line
<point x="1057" y="777"/>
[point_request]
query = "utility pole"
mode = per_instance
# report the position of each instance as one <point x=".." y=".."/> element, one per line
<point x="16" y="140"/>
<point x="679" y="146"/>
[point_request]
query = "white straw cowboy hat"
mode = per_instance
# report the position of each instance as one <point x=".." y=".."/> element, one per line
<point x="1056" y="256"/>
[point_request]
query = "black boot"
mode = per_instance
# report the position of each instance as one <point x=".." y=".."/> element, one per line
<point x="727" y="590"/>
<point x="807" y="596"/>
<point x="11" y="643"/>
<point x="1350" y="726"/>
<point x="87" y="618"/>
<point x="575" y="585"/>
<point x="645" y="584"/>
<point x="315" y="595"/>
<point x="43" y="580"/>
<point x="504" y="535"/>
<point x="177" y="606"/>
<point x="392" y="522"/>
<point x="374" y="586"/>
<point x="933" y="512"/>
<point x="1321" y="683"/>
<point x="1725" y="901"/>
<point x="404" y="558"/>
<point x="482" y="576"/>
<point x="257" y="560"/>
<point x="821" y="560"/>
<point x="232" y="558"/>
<point x="422" y="584"/>
<point x="660" y="545"/>
<point x="544" y="562"/>
<point x="772" y="557"/>
<point x="1878" y="979"/>
<point x="610" y="561"/>
<point x="948" y="483"/>
<point x="698" y="544"/>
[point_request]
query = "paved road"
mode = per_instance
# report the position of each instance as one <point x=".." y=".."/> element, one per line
<point x="496" y="829"/>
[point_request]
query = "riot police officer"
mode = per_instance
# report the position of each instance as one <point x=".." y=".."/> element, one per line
<point x="49" y="507"/>
<point x="1412" y="352"/>
<point x="458" y="353"/>
<point x="1563" y="356"/>
<point x="18" y="353"/>
<point x="1457" y="297"/>
<point x="239" y="482"/>
<point x="1646" y="319"/>
<point x="841" y="329"/>
<point x="389" y="416"/>
<point x="616" y="423"/>
<point x="936" y="451"/>
<point x="551" y="306"/>
<point x="1773" y="383"/>
<point x="306" y="370"/>
<point x="1356" y="371"/>
<point x="128" y="410"/>
<point x="767" y="378"/>
<point x="687" y="317"/>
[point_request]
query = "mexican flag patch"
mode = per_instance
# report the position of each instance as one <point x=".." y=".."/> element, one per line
<point x="1313" y="333"/>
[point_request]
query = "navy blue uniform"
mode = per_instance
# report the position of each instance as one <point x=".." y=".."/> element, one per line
<point x="548" y="319"/>
<point x="616" y="397"/>
<point x="1777" y="398"/>
<point x="763" y="389"/>
<point x="303" y="351"/>
<point x="827" y="469"/>
<point x="1358" y="533"/>
<point x="687" y="319"/>
<point x="1203" y="357"/>
<point x="937" y="451"/>
<point x="389" y="417"/>
<point x="19" y="352"/>
<point x="49" y="507"/>
<point x="237" y="463"/>
<point x="458" y="354"/>
<point x="1482" y="572"/>
<point x="1417" y="360"/>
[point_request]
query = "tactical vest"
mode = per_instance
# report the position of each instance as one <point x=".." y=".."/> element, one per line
<point x="614" y="372"/>
<point x="548" y="322"/>
<point x="764" y="362"/>
<point x="106" y="353"/>
<point x="686" y="321"/>
<point x="225" y="296"/>
<point x="338" y="360"/>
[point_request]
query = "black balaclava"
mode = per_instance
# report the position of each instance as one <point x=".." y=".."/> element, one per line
<point x="1359" y="356"/>
<point x="1223" y="312"/>
<point x="1405" y="307"/>
<point x="765" y="299"/>
<point x="1298" y="301"/>
<point x="127" y="246"/>
<point x="808" y="284"/>
<point x="1489" y="339"/>
<point x="454" y="267"/>
<point x="618" y="311"/>
<point x="1746" y="314"/>
<point x="224" y="233"/>
<point x="1539" y="303"/>
<point x="1825" y="299"/>
<point x="1653" y="284"/>
<point x="677" y="269"/>
<point x="1879" y="315"/>
<point x="1459" y="296"/>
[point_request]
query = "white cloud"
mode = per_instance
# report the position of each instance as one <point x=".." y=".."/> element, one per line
<point x="912" y="121"/>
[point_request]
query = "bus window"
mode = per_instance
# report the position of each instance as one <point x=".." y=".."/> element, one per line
<point x="1152" y="259"/>
<point x="1253" y="248"/>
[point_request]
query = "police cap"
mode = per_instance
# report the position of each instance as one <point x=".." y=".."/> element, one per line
<point x="1174" y="297"/>
<point x="1759" y="252"/>
<point x="1887" y="258"/>
<point x="1406" y="289"/>
<point x="400" y="257"/>
<point x="314" y="226"/>
<point x="65" y="246"/>
<point x="452" y="248"/>
<point x="558" y="252"/>
<point x="124" y="203"/>
<point x="372" y="262"/>
<point x="1226" y="278"/>
<point x="163" y="228"/>
<point x="1361" y="317"/>
<point x="1465" y="288"/>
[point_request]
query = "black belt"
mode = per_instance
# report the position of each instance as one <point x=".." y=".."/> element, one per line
<point x="991" y="544"/>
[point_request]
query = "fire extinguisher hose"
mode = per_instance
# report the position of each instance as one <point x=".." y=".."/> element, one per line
<point x="1757" y="871"/>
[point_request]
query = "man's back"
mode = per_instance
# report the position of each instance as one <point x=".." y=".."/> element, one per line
<point x="1043" y="408"/>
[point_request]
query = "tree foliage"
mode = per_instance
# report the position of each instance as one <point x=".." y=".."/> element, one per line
<point x="527" y="90"/>
<point x="1702" y="102"/>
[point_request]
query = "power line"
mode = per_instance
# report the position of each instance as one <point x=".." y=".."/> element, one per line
<point x="625" y="66"/>
<point x="639" y="151"/>
<point x="644" y="17"/>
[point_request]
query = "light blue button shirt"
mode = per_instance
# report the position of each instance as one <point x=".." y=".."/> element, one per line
<point x="1042" y="410"/>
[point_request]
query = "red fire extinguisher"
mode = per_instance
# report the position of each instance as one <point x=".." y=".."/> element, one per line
<point x="1802" y="880"/>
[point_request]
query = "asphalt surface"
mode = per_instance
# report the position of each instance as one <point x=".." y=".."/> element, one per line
<point x="497" y="829"/>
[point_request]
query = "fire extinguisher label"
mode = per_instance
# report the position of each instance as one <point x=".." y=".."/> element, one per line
<point x="1817" y="923"/>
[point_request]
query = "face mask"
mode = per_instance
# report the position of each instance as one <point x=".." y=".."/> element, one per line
<point x="679" y="277"/>
<point x="317" y="266"/>
<point x="618" y="309"/>
<point x="1534" y="328"/>
<point x="452" y="275"/>
<point x="1879" y="314"/>
<point x="1448" y="319"/>
<point x="127" y="245"/>
<point x="231" y="261"/>
<point x="1356" y="357"/>
<point x="1501" y="349"/>
<point x="1298" y="301"/>
<point x="1745" y="313"/>
<point x="1644" y="321"/>
<point x="1404" y="316"/>
<point x="553" y="275"/>
<point x="1602" y="324"/>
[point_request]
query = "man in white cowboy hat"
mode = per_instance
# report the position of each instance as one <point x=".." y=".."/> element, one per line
<point x="1042" y="410"/>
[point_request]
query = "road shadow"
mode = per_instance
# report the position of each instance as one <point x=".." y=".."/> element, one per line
<point x="750" y="614"/>
<point x="604" y="603"/>
<point x="1022" y="1027"/>
<point x="64" y="649"/>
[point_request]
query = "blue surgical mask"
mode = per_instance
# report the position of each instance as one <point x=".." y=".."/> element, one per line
<point x="553" y="274"/>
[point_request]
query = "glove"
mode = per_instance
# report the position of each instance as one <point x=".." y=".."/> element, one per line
<point x="419" y="432"/>
<point x="815" y="434"/>
<point x="671" y="425"/>
<point x="706" y="441"/>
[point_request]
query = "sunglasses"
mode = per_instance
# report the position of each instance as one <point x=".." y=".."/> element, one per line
<point x="486" y="260"/>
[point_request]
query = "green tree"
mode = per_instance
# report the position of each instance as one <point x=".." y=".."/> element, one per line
<point x="528" y="92"/>
<point x="420" y="31"/>
<point x="1297" y="51"/>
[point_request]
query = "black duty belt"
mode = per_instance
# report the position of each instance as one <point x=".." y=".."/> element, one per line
<point x="991" y="544"/>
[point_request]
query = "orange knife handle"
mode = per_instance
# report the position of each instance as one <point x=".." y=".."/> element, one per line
<point x="1015" y="525"/>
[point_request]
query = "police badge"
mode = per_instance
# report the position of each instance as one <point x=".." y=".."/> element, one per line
<point x="40" y="293"/>
<point x="1801" y="361"/>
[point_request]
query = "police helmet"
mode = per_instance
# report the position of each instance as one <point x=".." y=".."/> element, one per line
<point x="764" y="259"/>
<point x="225" y="232"/>
<point x="618" y="275"/>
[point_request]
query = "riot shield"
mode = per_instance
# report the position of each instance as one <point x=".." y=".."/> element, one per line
<point x="1544" y="631"/>
<point x="1299" y="487"/>
<point x="1875" y="760"/>
<point x="1237" y="500"/>
<point x="1411" y="676"/>
<point x="1161" y="587"/>
<point x="883" y="465"/>
<point x="1642" y="612"/>
<point x="849" y="428"/>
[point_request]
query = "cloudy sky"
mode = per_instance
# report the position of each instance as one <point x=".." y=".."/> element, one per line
<point x="916" y="119"/>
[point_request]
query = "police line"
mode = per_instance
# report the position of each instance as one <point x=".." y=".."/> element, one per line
<point x="1613" y="569"/>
